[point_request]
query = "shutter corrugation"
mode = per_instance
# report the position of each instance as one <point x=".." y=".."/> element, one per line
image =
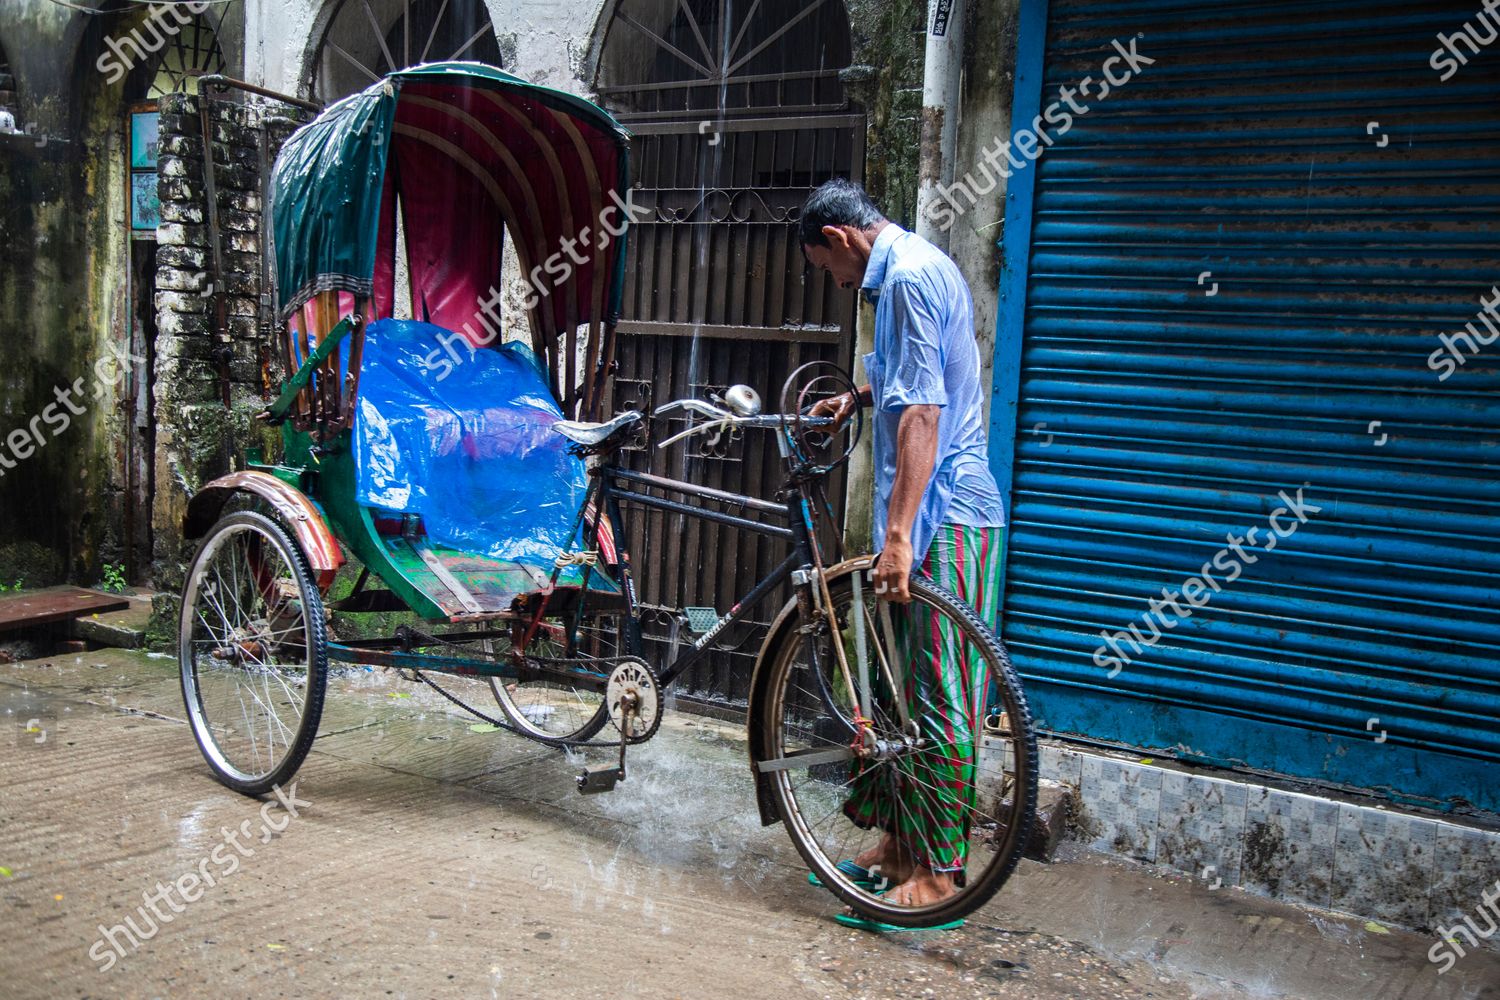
<point x="1173" y="418"/>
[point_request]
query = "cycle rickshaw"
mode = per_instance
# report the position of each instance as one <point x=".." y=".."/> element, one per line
<point x="472" y="479"/>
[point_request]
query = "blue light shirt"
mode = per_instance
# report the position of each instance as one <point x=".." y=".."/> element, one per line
<point x="925" y="353"/>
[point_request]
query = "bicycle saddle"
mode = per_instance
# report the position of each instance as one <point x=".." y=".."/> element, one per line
<point x="593" y="435"/>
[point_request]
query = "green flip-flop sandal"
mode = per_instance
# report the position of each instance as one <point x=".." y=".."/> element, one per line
<point x="866" y="924"/>
<point x="857" y="874"/>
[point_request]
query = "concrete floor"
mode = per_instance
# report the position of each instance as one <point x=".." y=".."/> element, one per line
<point x="434" y="861"/>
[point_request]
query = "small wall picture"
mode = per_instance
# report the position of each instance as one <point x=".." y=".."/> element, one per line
<point x="145" y="208"/>
<point x="143" y="140"/>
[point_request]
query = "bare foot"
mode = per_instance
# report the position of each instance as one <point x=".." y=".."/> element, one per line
<point x="923" y="888"/>
<point x="887" y="860"/>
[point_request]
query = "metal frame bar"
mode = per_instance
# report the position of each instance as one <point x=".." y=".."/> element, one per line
<point x="766" y="43"/>
<point x="778" y="334"/>
<point x="1015" y="246"/>
<point x="836" y="120"/>
<point x="742" y="607"/>
<point x="646" y="479"/>
<point x="395" y="642"/>
<point x="694" y="116"/>
<point x="221" y="82"/>
<point x="676" y="507"/>
<point x="608" y="499"/>
<point x="664" y="44"/>
<point x="452" y="665"/>
<point x="806" y="74"/>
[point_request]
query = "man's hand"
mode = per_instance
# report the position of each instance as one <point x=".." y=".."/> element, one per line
<point x="840" y="407"/>
<point x="892" y="570"/>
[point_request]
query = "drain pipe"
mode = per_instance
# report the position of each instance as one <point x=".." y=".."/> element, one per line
<point x="941" y="77"/>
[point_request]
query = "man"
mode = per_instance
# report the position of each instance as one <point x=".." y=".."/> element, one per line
<point x="937" y="509"/>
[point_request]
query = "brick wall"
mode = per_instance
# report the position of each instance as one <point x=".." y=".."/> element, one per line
<point x="198" y="437"/>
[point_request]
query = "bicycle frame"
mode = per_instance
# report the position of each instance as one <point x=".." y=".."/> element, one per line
<point x="613" y="485"/>
<point x="610" y="485"/>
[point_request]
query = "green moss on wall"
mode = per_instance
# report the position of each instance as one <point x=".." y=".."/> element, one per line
<point x="889" y="37"/>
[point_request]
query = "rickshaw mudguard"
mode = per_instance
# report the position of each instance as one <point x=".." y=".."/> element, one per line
<point x="783" y="629"/>
<point x="297" y="512"/>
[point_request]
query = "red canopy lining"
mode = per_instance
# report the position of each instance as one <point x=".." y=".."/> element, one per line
<point x="466" y="161"/>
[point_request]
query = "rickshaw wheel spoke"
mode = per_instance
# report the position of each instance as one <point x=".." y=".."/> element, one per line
<point x="252" y="649"/>
<point x="548" y="709"/>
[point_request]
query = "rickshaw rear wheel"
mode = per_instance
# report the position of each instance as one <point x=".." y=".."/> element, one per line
<point x="552" y="710"/>
<point x="253" y="652"/>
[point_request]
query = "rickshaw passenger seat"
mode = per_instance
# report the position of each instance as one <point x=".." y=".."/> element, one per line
<point x="592" y="435"/>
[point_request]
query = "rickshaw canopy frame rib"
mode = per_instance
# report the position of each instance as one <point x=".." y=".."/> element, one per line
<point x="282" y="408"/>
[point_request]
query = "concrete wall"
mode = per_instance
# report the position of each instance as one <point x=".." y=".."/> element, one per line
<point x="989" y="76"/>
<point x="65" y="290"/>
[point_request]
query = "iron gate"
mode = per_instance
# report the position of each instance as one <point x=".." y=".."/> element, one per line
<point x="717" y="292"/>
<point x="738" y="112"/>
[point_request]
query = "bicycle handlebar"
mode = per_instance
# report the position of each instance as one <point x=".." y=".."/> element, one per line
<point x="721" y="419"/>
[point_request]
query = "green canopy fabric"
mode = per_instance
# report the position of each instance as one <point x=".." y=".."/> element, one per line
<point x="325" y="194"/>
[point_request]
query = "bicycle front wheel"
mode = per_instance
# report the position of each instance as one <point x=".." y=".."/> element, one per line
<point x="948" y="782"/>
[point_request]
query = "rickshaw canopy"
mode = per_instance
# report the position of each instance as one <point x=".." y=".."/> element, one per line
<point x="466" y="151"/>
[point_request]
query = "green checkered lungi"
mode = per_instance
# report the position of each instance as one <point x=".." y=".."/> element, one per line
<point x="926" y="799"/>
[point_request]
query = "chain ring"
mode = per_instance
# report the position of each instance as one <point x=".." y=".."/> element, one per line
<point x="634" y="677"/>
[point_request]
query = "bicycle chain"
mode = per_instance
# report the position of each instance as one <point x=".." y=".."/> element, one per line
<point x="433" y="640"/>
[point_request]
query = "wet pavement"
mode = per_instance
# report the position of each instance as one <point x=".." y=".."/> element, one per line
<point x="425" y="859"/>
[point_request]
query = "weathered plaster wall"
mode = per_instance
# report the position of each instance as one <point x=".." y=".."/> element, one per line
<point x="989" y="77"/>
<point x="60" y="302"/>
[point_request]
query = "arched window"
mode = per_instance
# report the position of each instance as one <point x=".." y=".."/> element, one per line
<point x="363" y="40"/>
<point x="8" y="88"/>
<point x="182" y="52"/>
<point x="360" y="42"/>
<point x="704" y="55"/>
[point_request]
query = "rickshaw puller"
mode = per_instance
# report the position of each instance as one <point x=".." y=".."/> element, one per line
<point x="936" y="507"/>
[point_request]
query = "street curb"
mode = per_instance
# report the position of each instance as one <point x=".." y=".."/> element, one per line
<point x="1371" y="861"/>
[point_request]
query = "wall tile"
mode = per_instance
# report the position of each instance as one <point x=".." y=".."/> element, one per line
<point x="1465" y="866"/>
<point x="1289" y="845"/>
<point x="1200" y="828"/>
<point x="1061" y="764"/>
<point x="1123" y="801"/>
<point x="1383" y="865"/>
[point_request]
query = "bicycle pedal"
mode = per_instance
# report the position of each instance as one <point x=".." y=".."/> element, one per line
<point x="592" y="781"/>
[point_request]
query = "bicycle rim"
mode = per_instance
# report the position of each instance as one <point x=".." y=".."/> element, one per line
<point x="965" y="798"/>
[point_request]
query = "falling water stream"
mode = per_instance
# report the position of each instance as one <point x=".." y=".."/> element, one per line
<point x="710" y="165"/>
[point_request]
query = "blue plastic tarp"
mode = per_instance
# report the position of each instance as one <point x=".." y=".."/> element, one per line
<point x="473" y="453"/>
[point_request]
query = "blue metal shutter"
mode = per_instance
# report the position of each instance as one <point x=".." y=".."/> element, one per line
<point x="1346" y="202"/>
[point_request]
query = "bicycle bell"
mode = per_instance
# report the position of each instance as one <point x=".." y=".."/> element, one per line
<point x="742" y="400"/>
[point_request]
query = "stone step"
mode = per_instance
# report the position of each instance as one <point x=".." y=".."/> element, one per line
<point x="1054" y="807"/>
<point x="117" y="629"/>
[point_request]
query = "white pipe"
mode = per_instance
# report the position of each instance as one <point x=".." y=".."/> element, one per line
<point x="942" y="76"/>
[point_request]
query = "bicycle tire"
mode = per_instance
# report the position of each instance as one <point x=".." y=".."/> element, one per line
<point x="784" y="687"/>
<point x="239" y="653"/>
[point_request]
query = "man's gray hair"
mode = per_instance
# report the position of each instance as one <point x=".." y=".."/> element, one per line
<point x="839" y="202"/>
